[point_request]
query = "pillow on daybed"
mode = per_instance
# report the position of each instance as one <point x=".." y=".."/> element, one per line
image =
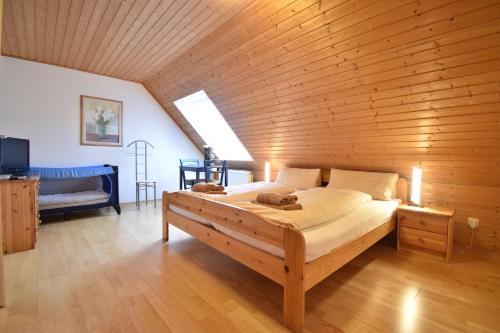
<point x="380" y="185"/>
<point x="300" y="179"/>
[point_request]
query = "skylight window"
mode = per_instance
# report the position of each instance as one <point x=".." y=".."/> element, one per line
<point x="207" y="120"/>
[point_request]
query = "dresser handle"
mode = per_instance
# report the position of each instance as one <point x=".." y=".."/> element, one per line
<point x="401" y="217"/>
<point x="422" y="222"/>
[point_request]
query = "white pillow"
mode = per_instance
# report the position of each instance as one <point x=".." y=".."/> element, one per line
<point x="300" y="179"/>
<point x="380" y="185"/>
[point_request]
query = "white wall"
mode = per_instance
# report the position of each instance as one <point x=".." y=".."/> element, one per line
<point x="42" y="103"/>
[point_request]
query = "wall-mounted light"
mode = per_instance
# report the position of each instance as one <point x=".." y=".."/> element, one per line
<point x="416" y="186"/>
<point x="267" y="171"/>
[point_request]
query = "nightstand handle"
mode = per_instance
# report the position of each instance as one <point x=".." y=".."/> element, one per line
<point x="401" y="217"/>
<point x="422" y="222"/>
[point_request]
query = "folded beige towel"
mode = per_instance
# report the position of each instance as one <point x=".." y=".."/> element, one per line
<point x="294" y="206"/>
<point x="276" y="199"/>
<point x="204" y="187"/>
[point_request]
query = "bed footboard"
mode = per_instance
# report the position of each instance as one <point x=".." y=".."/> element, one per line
<point x="288" y="272"/>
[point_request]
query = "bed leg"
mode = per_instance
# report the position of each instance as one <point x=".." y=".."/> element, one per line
<point x="164" y="215"/>
<point x="294" y="293"/>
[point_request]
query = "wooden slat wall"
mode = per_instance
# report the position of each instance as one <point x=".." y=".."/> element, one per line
<point x="368" y="85"/>
<point x="124" y="39"/>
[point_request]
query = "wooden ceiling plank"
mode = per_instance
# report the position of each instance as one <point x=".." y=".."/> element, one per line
<point x="101" y="17"/>
<point x="182" y="42"/>
<point x="245" y="79"/>
<point x="115" y="8"/>
<point x="18" y="16"/>
<point x="129" y="34"/>
<point x="69" y="33"/>
<point x="29" y="26"/>
<point x="9" y="31"/>
<point x="40" y="24"/>
<point x="155" y="32"/>
<point x="244" y="29"/>
<point x="118" y="29"/>
<point x="239" y="70"/>
<point x="63" y="16"/>
<point x="175" y="27"/>
<point x="50" y="30"/>
<point x="84" y="20"/>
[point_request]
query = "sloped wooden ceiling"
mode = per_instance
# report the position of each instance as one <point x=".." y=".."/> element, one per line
<point x="369" y="85"/>
<point x="127" y="39"/>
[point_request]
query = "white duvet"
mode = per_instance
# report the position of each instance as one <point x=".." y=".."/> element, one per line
<point x="319" y="205"/>
<point x="244" y="192"/>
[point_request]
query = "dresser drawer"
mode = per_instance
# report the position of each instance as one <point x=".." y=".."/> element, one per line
<point x="436" y="224"/>
<point x="423" y="239"/>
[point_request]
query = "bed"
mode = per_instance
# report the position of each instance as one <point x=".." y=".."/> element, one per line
<point x="66" y="190"/>
<point x="296" y="259"/>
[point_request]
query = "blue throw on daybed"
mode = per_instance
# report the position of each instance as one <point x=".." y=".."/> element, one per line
<point x="75" y="172"/>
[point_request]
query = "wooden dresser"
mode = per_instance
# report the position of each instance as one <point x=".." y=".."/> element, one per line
<point x="426" y="231"/>
<point x="19" y="214"/>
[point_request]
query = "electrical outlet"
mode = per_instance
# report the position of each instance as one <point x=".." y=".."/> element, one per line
<point x="473" y="222"/>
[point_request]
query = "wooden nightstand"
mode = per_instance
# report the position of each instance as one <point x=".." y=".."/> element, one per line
<point x="426" y="231"/>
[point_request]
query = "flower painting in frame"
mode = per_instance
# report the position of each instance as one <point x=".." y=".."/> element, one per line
<point x="101" y="121"/>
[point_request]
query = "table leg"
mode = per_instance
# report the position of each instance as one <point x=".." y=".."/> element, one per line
<point x="154" y="189"/>
<point x="198" y="176"/>
<point x="180" y="179"/>
<point x="226" y="179"/>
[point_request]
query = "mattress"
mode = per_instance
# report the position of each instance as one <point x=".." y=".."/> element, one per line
<point x="243" y="192"/>
<point x="322" y="239"/>
<point x="61" y="200"/>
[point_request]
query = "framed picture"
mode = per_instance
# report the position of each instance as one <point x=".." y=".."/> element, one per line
<point x="101" y="122"/>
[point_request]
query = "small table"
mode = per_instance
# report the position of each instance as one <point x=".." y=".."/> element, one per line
<point x="426" y="231"/>
<point x="207" y="170"/>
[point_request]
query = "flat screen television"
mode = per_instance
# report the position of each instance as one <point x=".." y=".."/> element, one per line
<point x="14" y="156"/>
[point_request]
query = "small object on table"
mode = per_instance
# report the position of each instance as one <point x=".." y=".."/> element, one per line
<point x="427" y="231"/>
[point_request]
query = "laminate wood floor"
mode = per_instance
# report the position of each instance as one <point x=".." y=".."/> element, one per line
<point x="108" y="273"/>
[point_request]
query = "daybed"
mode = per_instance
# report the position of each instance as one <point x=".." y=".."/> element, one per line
<point x="66" y="190"/>
<point x="278" y="251"/>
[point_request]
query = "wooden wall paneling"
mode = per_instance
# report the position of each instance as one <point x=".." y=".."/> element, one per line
<point x="149" y="20"/>
<point x="370" y="85"/>
<point x="103" y="36"/>
<point x="98" y="64"/>
<point x="99" y="23"/>
<point x="192" y="32"/>
<point x="84" y="22"/>
<point x="61" y="23"/>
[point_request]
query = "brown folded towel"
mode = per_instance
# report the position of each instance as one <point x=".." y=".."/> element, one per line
<point x="294" y="206"/>
<point x="276" y="199"/>
<point x="204" y="187"/>
<point x="216" y="192"/>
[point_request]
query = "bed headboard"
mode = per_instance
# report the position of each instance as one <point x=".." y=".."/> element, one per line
<point x="401" y="186"/>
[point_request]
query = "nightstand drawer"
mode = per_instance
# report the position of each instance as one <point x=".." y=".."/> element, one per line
<point x="424" y="239"/>
<point x="429" y="223"/>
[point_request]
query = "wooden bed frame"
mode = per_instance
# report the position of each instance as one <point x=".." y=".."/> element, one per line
<point x="292" y="272"/>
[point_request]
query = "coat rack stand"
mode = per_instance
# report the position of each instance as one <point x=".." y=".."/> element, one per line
<point x="141" y="171"/>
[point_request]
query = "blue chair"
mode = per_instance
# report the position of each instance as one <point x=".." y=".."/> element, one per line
<point x="187" y="162"/>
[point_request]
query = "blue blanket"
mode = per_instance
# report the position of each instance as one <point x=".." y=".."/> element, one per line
<point x="65" y="173"/>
